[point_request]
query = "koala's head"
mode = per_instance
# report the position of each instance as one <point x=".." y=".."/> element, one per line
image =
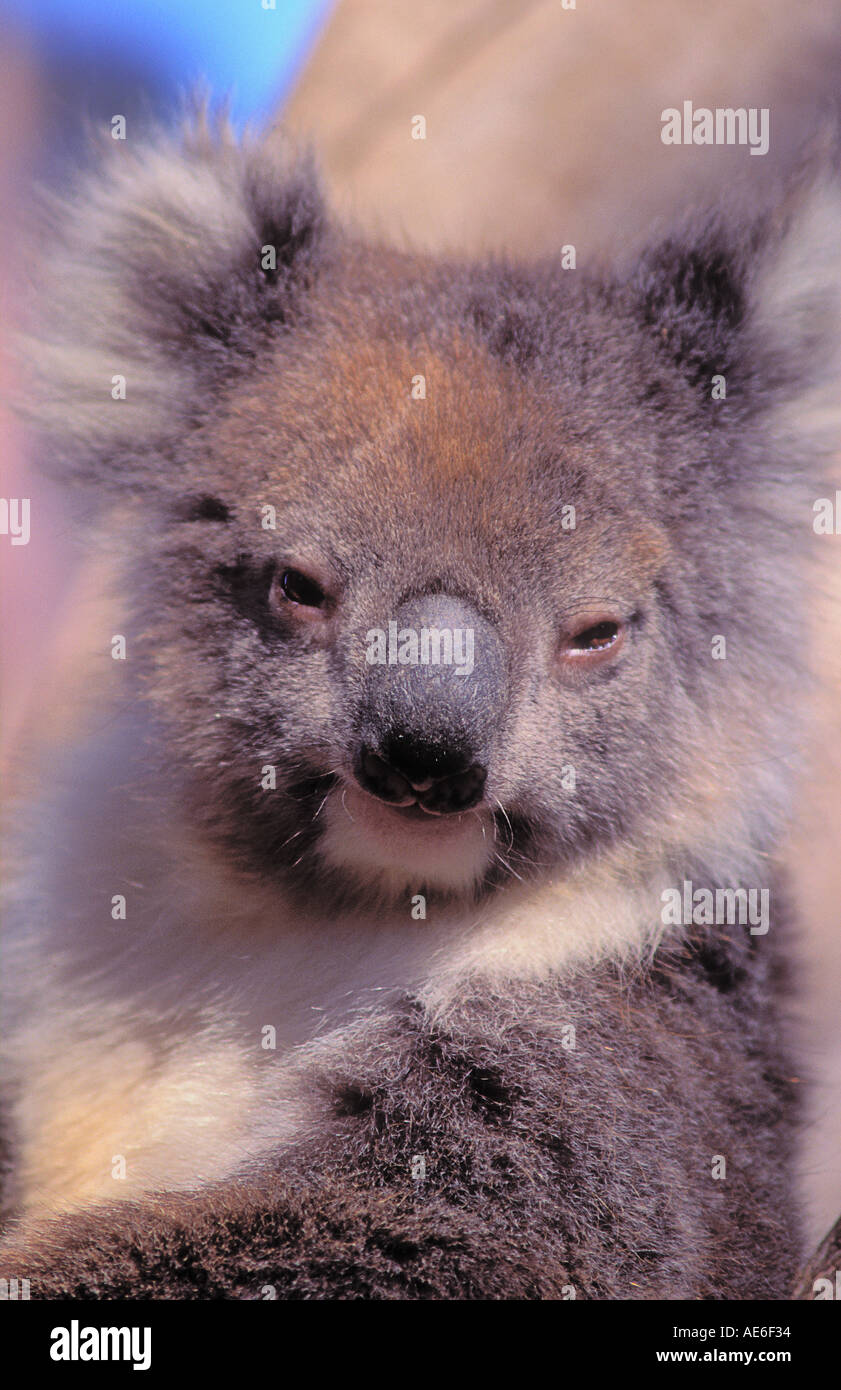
<point x="447" y="573"/>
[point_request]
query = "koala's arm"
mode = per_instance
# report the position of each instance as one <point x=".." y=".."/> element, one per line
<point x="265" y="1239"/>
<point x="262" y="1240"/>
<point x="482" y="1156"/>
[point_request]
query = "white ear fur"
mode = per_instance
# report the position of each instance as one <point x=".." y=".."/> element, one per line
<point x="796" y="312"/>
<point x="153" y="273"/>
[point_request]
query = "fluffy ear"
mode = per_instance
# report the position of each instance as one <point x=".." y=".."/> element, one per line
<point x="755" y="299"/>
<point x="169" y="269"/>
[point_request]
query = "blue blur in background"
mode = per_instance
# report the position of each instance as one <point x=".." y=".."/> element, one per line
<point x="141" y="57"/>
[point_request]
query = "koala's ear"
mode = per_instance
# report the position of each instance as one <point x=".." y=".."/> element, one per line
<point x="755" y="299"/>
<point x="169" y="270"/>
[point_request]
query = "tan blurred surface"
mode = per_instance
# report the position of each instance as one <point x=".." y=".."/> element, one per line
<point x="543" y="127"/>
<point x="543" y="124"/>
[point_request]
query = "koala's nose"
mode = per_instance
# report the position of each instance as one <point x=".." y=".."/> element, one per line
<point x="442" y="782"/>
<point x="435" y="691"/>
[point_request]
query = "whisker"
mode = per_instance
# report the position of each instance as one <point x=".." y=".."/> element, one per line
<point x="507" y="820"/>
<point x="507" y="867"/>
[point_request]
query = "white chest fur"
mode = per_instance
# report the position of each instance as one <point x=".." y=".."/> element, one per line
<point x="162" y="1048"/>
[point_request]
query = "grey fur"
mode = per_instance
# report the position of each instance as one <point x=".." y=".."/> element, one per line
<point x="545" y="1168"/>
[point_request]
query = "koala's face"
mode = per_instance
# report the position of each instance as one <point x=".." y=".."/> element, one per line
<point x="431" y="617"/>
<point x="413" y="639"/>
<point x="438" y="561"/>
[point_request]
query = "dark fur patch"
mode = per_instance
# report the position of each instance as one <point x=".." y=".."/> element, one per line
<point x="205" y="508"/>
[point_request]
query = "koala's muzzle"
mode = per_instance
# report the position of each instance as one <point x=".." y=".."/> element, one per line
<point x="435" y="691"/>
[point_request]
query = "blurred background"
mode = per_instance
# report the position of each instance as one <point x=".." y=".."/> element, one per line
<point x="542" y="128"/>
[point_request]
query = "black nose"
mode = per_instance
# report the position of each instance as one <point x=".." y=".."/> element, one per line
<point x="432" y="701"/>
<point x="441" y="781"/>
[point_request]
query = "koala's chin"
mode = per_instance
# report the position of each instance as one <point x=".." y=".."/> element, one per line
<point x="391" y="850"/>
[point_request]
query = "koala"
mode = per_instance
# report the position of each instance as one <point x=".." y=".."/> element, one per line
<point x="406" y="916"/>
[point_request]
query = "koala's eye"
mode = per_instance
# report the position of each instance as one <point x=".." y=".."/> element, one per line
<point x="304" y="598"/>
<point x="596" y="638"/>
<point x="299" y="588"/>
<point x="594" y="643"/>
